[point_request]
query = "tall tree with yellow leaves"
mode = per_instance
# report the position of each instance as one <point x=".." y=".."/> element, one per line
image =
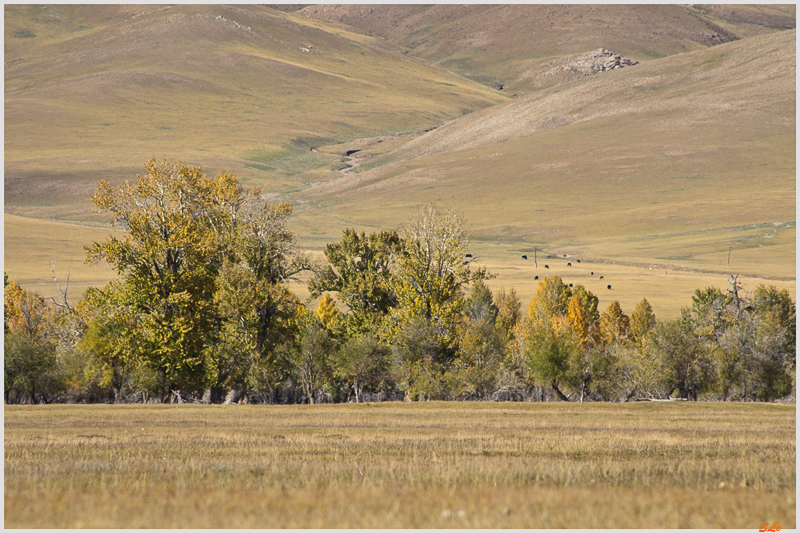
<point x="326" y="311"/>
<point x="614" y="324"/>
<point x="642" y="321"/>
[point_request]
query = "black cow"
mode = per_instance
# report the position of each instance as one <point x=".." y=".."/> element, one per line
<point x="569" y="264"/>
<point x="609" y="287"/>
<point x="535" y="277"/>
<point x="547" y="266"/>
<point x="525" y="257"/>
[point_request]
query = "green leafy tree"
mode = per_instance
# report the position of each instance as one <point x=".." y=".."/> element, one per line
<point x="363" y="363"/>
<point x="429" y="275"/>
<point x="264" y="253"/>
<point x="359" y="271"/>
<point x="479" y="304"/>
<point x="768" y="300"/>
<point x="685" y="360"/>
<point x="483" y="344"/>
<point x="712" y="312"/>
<point x="592" y="371"/>
<point x="168" y="261"/>
<point x="257" y="310"/>
<point x="550" y="301"/>
<point x="509" y="309"/>
<point x="752" y="338"/>
<point x="312" y="355"/>
<point x="551" y="347"/>
<point x="421" y="352"/>
<point x="110" y="345"/>
<point x="31" y="368"/>
<point x="639" y="369"/>
<point x="203" y="270"/>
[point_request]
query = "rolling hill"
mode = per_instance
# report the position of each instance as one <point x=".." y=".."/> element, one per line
<point x="358" y="114"/>
<point x="91" y="95"/>
<point x="515" y="46"/>
<point x="657" y="141"/>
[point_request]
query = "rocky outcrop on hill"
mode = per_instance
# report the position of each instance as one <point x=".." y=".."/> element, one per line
<point x="600" y="60"/>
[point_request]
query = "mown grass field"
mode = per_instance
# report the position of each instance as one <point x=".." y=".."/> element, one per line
<point x="426" y="465"/>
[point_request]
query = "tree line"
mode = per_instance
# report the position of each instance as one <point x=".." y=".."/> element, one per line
<point x="201" y="310"/>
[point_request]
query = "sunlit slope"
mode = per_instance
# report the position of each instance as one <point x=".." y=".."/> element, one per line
<point x="672" y="161"/>
<point x="515" y="45"/>
<point x="34" y="249"/>
<point x="92" y="95"/>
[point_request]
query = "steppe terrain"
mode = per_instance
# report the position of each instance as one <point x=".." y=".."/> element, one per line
<point x="402" y="465"/>
<point x="663" y="176"/>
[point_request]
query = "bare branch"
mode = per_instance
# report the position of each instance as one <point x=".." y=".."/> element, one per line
<point x="63" y="303"/>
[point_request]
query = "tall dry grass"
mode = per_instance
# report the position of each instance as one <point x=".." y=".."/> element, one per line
<point x="431" y="465"/>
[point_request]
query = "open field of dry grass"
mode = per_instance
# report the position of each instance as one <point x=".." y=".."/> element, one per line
<point x="428" y="465"/>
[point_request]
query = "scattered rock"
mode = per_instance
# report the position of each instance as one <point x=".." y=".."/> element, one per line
<point x="600" y="60"/>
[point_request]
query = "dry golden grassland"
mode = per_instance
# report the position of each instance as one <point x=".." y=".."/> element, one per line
<point x="424" y="465"/>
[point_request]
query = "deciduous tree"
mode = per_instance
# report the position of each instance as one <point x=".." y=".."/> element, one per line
<point x="551" y="300"/>
<point x="363" y="362"/>
<point x="642" y="321"/>
<point x="359" y="270"/>
<point x="614" y="324"/>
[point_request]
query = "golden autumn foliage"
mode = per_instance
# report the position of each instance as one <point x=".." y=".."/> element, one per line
<point x="614" y="324"/>
<point x="326" y="310"/>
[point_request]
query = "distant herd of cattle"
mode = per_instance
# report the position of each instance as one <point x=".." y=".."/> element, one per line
<point x="525" y="257"/>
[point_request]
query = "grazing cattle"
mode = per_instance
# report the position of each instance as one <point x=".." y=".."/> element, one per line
<point x="609" y="287"/>
<point x="601" y="277"/>
<point x="468" y="255"/>
<point x="547" y="266"/>
<point x="535" y="277"/>
<point x="465" y="263"/>
<point x="591" y="273"/>
<point x="578" y="260"/>
<point x="525" y="257"/>
<point x="569" y="264"/>
<point x="570" y="285"/>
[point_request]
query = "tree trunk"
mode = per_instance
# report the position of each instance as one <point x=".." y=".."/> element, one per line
<point x="630" y="395"/>
<point x="217" y="395"/>
<point x="310" y="394"/>
<point x="559" y="393"/>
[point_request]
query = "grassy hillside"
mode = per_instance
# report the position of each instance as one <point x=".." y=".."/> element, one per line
<point x="515" y="45"/>
<point x="665" y="165"/>
<point x="669" y="162"/>
<point x="94" y="95"/>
